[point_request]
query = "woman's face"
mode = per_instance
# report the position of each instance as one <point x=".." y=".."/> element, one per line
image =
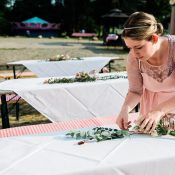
<point x="141" y="49"/>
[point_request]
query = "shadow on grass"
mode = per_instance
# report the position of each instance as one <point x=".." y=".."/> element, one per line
<point x="95" y="47"/>
<point x="27" y="116"/>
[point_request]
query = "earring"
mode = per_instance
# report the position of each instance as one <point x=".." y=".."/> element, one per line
<point x="154" y="38"/>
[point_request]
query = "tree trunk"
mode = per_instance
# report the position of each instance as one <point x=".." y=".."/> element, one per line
<point x="172" y="23"/>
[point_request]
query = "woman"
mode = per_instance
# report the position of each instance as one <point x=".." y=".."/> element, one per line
<point x="151" y="72"/>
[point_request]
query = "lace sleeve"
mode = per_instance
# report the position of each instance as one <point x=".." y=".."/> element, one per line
<point x="134" y="75"/>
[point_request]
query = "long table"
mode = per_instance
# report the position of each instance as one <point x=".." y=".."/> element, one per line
<point x="69" y="101"/>
<point x="51" y="153"/>
<point x="44" y="68"/>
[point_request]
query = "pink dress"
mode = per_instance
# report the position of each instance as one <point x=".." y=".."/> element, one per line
<point x="155" y="83"/>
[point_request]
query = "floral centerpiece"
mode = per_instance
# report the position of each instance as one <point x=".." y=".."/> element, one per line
<point x="79" y="77"/>
<point x="84" y="77"/>
<point x="63" y="58"/>
<point x="166" y="126"/>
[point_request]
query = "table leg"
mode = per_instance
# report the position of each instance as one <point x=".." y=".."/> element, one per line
<point x="4" y="112"/>
<point x="14" y="72"/>
<point x="109" y="66"/>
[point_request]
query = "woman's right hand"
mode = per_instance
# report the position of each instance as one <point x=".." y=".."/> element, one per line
<point x="122" y="121"/>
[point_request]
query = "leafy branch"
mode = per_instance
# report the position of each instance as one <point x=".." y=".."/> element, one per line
<point x="97" y="134"/>
<point x="163" y="130"/>
<point x="108" y="77"/>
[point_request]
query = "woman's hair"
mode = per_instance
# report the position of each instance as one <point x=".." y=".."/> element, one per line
<point x="141" y="26"/>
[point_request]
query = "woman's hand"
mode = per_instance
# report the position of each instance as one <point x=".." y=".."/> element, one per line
<point x="122" y="121"/>
<point x="148" y="122"/>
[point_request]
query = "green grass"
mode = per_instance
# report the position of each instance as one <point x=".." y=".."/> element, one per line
<point x="27" y="116"/>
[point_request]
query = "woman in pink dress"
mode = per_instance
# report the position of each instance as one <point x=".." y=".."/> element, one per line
<point x="151" y="72"/>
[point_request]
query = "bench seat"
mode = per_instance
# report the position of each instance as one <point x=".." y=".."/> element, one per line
<point x="10" y="75"/>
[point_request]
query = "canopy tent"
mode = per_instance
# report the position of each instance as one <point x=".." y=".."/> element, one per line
<point x="35" y="27"/>
<point x="114" y="17"/>
<point x="35" y="20"/>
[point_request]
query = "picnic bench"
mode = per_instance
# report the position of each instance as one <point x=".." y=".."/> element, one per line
<point x="8" y="97"/>
<point x="22" y="73"/>
<point x="10" y="75"/>
<point x="84" y="35"/>
<point x="4" y="108"/>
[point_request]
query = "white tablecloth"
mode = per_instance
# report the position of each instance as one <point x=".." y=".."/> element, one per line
<point x="64" y="68"/>
<point x="53" y="154"/>
<point x="60" y="102"/>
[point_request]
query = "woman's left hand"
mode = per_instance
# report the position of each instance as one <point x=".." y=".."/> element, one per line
<point x="148" y="122"/>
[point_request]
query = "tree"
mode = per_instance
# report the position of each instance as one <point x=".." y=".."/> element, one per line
<point x="79" y="14"/>
<point x="4" y="23"/>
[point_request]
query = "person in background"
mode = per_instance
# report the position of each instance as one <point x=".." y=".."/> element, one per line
<point x="151" y="72"/>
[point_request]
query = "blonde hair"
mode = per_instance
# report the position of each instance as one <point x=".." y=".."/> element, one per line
<point x="141" y="26"/>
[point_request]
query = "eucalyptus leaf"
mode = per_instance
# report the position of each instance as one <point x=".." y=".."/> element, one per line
<point x="98" y="134"/>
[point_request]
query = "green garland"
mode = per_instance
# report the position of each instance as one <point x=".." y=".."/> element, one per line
<point x="97" y="134"/>
<point x="108" y="77"/>
<point x="70" y="80"/>
<point x="84" y="77"/>
<point x="101" y="133"/>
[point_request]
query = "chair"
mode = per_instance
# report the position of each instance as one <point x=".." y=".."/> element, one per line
<point x="111" y="39"/>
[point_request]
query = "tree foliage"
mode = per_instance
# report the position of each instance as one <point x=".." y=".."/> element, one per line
<point x="77" y="14"/>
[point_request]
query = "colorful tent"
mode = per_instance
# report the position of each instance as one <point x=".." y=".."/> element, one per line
<point x="34" y="27"/>
<point x="35" y="20"/>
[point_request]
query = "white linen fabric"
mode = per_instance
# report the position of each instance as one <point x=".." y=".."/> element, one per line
<point x="68" y="101"/>
<point x="44" y="68"/>
<point x="53" y="154"/>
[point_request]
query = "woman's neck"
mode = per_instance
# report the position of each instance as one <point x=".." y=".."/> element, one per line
<point x="160" y="56"/>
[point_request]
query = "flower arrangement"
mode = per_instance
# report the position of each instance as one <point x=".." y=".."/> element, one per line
<point x="63" y="58"/>
<point x="79" y="77"/>
<point x="166" y="126"/>
<point x="84" y="77"/>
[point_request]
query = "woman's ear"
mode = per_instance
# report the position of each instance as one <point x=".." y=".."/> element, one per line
<point x="155" y="38"/>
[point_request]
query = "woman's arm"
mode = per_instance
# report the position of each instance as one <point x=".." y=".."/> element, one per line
<point x="134" y="92"/>
<point x="131" y="100"/>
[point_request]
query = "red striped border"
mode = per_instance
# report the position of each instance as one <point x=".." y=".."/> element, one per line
<point x="52" y="127"/>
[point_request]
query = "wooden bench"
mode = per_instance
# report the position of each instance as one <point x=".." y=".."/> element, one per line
<point x="10" y="75"/>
